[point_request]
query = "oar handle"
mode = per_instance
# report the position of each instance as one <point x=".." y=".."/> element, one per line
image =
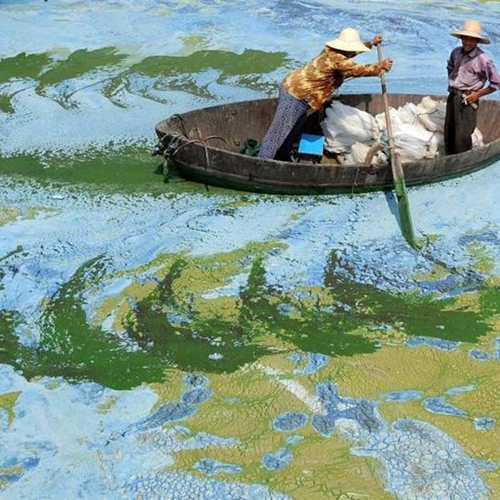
<point x="385" y="98"/>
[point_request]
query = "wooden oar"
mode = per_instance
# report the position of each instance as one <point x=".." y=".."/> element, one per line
<point x="397" y="168"/>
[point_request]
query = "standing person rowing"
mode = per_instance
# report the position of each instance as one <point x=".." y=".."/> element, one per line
<point x="310" y="86"/>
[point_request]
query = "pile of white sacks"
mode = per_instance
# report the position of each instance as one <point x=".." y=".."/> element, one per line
<point x="418" y="132"/>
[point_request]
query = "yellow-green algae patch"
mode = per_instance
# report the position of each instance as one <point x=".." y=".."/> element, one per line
<point x="8" y="214"/>
<point x="243" y="407"/>
<point x="482" y="256"/>
<point x="15" y="470"/>
<point x="107" y="405"/>
<point x="174" y="321"/>
<point x="203" y="275"/>
<point x="436" y="272"/>
<point x="196" y="277"/>
<point x="7" y="402"/>
<point x="432" y="372"/>
<point x="40" y="212"/>
<point x="170" y="391"/>
<point x="246" y="402"/>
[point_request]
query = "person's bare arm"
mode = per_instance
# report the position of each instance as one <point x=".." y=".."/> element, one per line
<point x="376" y="40"/>
<point x="477" y="94"/>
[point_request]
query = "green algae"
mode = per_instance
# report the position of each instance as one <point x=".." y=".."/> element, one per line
<point x="23" y="66"/>
<point x="110" y="72"/>
<point x="490" y="302"/>
<point x="44" y="71"/>
<point x="228" y="63"/>
<point x="190" y="341"/>
<point x="179" y="72"/>
<point x="6" y="103"/>
<point x="71" y="348"/>
<point x="8" y="340"/>
<point x="126" y="166"/>
<point x="18" y="250"/>
<point x="80" y="62"/>
<point x="427" y="315"/>
<point x="176" y="325"/>
<point x="335" y="322"/>
<point x="128" y="169"/>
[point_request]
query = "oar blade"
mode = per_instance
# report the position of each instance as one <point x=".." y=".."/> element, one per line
<point x="404" y="213"/>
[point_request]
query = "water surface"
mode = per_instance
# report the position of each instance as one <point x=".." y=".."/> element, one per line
<point x="165" y="340"/>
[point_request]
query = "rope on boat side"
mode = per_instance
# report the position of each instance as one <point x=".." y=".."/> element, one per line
<point x="173" y="147"/>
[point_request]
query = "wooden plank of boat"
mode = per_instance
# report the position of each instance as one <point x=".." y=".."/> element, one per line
<point x="204" y="145"/>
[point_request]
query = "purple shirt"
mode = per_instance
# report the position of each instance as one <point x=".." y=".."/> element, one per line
<point x="469" y="72"/>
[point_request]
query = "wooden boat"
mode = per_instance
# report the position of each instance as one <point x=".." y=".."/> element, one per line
<point x="203" y="146"/>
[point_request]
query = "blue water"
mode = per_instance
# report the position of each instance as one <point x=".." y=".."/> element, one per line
<point x="82" y="439"/>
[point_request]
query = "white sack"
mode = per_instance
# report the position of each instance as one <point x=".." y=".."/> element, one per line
<point x="408" y="113"/>
<point x="345" y="125"/>
<point x="404" y="114"/>
<point x="418" y="131"/>
<point x="413" y="142"/>
<point x="441" y="150"/>
<point x="358" y="153"/>
<point x="431" y="114"/>
<point x="395" y="119"/>
<point x="477" y="138"/>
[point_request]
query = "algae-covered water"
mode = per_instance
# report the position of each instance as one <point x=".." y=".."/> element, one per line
<point x="173" y="341"/>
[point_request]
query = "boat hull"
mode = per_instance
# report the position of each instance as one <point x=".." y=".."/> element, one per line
<point x="203" y="146"/>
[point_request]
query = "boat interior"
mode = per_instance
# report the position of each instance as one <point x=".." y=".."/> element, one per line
<point x="229" y="126"/>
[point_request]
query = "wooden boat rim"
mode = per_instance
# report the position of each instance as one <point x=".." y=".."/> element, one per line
<point x="213" y="164"/>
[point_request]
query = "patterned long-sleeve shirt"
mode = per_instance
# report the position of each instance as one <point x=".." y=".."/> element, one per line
<point x="471" y="71"/>
<point x="316" y="81"/>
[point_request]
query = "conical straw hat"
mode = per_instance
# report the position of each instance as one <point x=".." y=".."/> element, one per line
<point x="472" y="29"/>
<point x="348" y="41"/>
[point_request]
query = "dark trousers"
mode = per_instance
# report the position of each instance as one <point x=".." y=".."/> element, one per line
<point x="285" y="129"/>
<point x="459" y="125"/>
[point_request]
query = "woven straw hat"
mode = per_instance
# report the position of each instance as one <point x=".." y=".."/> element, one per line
<point x="348" y="41"/>
<point x="472" y="29"/>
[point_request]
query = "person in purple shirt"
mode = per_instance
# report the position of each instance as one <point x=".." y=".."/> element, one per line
<point x="469" y="68"/>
